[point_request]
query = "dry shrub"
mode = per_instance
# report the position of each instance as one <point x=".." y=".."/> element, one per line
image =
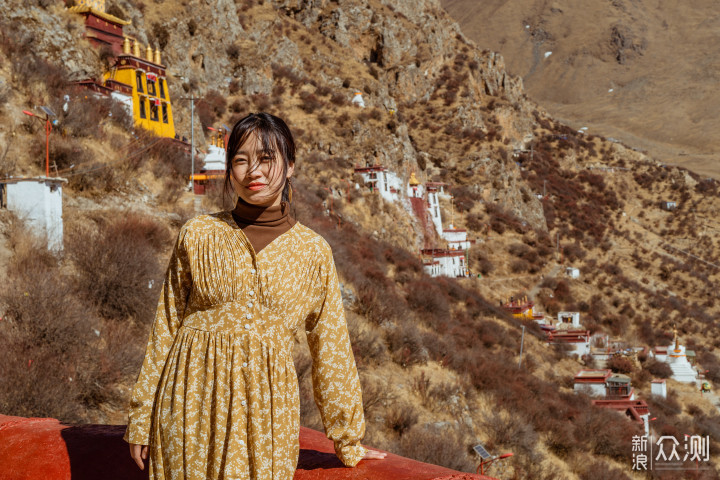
<point x="438" y="445"/>
<point x="427" y="299"/>
<point x="519" y="266"/>
<point x="406" y="345"/>
<point x="118" y="266"/>
<point x="211" y="108"/>
<point x="34" y="70"/>
<point x="375" y="392"/>
<point x="45" y="336"/>
<point x="88" y="112"/>
<point x="501" y="219"/>
<point x="599" y="470"/>
<point x="611" y="433"/>
<point x="65" y="152"/>
<point x="620" y="364"/>
<point x="309" y="414"/>
<point x="310" y="102"/>
<point x="658" y="369"/>
<point x="400" y="418"/>
<point x="510" y="430"/>
<point x="367" y="344"/>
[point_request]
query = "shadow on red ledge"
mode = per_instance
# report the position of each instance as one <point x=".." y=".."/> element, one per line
<point x="44" y="448"/>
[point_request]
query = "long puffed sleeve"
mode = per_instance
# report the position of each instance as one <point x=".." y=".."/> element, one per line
<point x="168" y="317"/>
<point x="335" y="379"/>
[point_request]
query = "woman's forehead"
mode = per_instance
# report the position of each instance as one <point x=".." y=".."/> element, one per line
<point x="254" y="143"/>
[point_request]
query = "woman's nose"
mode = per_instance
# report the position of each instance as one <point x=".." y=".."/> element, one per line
<point x="255" y="170"/>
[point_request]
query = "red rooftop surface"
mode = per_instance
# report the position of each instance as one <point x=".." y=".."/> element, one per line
<point x="45" y="448"/>
<point x="632" y="408"/>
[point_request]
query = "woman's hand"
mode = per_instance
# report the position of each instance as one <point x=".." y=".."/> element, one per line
<point x="139" y="453"/>
<point x="374" y="455"/>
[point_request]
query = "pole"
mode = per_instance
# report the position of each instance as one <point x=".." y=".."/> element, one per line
<point x="452" y="211"/>
<point x="558" y="245"/>
<point x="192" y="144"/>
<point x="48" y="127"/>
<point x="522" y="341"/>
<point x="544" y="183"/>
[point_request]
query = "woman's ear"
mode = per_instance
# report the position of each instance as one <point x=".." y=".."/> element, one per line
<point x="290" y="170"/>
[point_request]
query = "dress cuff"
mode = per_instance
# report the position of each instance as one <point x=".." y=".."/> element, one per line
<point x="136" y="435"/>
<point x="350" y="455"/>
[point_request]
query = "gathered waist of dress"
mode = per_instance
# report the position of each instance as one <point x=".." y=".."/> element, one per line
<point x="242" y="319"/>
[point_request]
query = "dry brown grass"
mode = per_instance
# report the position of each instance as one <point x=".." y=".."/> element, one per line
<point x="117" y="264"/>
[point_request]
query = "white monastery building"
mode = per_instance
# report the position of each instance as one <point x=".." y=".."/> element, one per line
<point x="380" y="179"/>
<point x="441" y="262"/>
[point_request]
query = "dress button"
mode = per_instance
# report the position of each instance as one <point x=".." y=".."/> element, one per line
<point x="249" y="305"/>
<point x="248" y="316"/>
<point x="243" y="403"/>
<point x="253" y="271"/>
<point x="244" y="364"/>
<point x="251" y="293"/>
<point x="247" y="326"/>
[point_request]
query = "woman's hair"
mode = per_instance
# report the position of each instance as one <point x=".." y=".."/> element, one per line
<point x="274" y="136"/>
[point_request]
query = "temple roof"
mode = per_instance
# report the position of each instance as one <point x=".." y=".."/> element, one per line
<point x="99" y="14"/>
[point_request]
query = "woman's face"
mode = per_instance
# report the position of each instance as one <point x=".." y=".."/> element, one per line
<point x="256" y="175"/>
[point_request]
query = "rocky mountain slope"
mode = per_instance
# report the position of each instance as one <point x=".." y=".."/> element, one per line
<point x="438" y="359"/>
<point x="640" y="71"/>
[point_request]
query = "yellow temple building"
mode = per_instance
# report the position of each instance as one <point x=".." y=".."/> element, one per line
<point x="137" y="78"/>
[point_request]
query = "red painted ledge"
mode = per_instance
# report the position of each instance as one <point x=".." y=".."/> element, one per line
<point x="34" y="448"/>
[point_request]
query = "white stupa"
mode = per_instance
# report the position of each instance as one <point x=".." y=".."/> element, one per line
<point x="676" y="358"/>
<point x="358" y="100"/>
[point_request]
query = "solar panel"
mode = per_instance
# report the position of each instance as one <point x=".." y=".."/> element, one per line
<point x="47" y="111"/>
<point x="480" y="450"/>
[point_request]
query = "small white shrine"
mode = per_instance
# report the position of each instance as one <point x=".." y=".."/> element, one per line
<point x="358" y="100"/>
<point x="37" y="201"/>
<point x="568" y="320"/>
<point x="572" y="272"/>
<point x="659" y="387"/>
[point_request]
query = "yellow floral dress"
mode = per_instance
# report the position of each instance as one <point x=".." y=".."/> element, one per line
<point x="217" y="395"/>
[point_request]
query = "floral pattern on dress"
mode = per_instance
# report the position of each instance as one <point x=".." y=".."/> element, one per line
<point x="217" y="396"/>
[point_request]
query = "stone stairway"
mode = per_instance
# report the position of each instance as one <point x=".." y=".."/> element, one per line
<point x="683" y="372"/>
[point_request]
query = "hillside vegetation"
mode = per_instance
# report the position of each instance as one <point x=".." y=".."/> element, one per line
<point x="439" y="360"/>
<point x="642" y="71"/>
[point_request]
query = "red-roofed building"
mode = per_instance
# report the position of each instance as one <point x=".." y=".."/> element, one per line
<point x="592" y="381"/>
<point x="637" y="410"/>
<point x="579" y="340"/>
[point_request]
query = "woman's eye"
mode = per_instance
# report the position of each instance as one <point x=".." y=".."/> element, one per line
<point x="239" y="160"/>
<point x="267" y="158"/>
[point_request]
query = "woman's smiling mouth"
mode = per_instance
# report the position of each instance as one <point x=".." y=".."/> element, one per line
<point x="255" y="186"/>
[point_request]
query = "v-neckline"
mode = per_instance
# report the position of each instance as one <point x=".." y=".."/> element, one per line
<point x="234" y="225"/>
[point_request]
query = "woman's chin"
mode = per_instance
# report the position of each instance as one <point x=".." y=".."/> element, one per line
<point x="260" y="199"/>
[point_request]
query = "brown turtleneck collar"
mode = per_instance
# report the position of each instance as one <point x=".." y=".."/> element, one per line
<point x="262" y="225"/>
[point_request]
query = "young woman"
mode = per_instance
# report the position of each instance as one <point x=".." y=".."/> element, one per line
<point x="217" y="395"/>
